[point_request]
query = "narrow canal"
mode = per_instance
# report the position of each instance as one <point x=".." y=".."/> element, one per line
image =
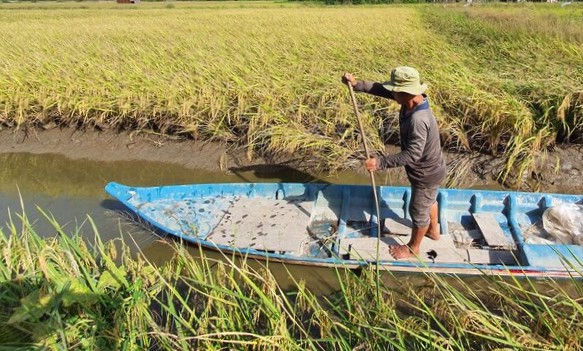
<point x="71" y="191"/>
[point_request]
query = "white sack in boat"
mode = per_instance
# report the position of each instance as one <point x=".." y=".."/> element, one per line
<point x="565" y="223"/>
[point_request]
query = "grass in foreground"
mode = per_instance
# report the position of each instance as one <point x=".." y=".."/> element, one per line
<point x="59" y="294"/>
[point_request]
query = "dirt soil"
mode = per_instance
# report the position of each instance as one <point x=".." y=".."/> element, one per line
<point x="558" y="171"/>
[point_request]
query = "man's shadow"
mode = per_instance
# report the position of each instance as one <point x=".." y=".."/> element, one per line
<point x="275" y="172"/>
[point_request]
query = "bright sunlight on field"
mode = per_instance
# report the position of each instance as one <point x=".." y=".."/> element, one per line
<point x="266" y="76"/>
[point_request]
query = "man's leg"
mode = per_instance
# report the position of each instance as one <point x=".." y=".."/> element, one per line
<point x="423" y="210"/>
<point x="412" y="247"/>
<point x="433" y="231"/>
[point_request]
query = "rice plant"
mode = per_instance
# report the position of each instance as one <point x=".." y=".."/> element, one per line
<point x="265" y="76"/>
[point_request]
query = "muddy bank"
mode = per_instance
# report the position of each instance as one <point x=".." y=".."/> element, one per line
<point x="110" y="146"/>
<point x="559" y="170"/>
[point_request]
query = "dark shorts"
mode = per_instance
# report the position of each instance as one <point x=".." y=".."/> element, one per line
<point x="422" y="198"/>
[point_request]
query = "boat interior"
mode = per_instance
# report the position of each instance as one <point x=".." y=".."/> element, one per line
<point x="341" y="221"/>
<point x="343" y="224"/>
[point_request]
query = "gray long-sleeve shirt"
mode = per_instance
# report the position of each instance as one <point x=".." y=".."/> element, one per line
<point x="421" y="153"/>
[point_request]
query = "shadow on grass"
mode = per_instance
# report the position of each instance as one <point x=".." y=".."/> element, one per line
<point x="37" y="314"/>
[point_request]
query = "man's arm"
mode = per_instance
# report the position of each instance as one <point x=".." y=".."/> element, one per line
<point x="366" y="86"/>
<point x="373" y="88"/>
<point x="413" y="147"/>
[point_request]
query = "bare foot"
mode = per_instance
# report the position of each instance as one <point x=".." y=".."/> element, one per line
<point x="433" y="235"/>
<point x="401" y="251"/>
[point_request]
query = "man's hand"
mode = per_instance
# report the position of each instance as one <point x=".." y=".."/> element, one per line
<point x="371" y="164"/>
<point x="348" y="78"/>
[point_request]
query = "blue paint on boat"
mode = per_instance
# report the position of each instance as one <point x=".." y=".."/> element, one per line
<point x="192" y="212"/>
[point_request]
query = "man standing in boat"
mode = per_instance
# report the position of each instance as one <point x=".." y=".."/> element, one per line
<point x="420" y="151"/>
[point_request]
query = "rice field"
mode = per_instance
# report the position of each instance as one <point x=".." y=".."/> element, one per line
<point x="504" y="79"/>
<point x="65" y="293"/>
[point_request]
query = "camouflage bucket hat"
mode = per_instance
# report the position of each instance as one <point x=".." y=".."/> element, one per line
<point x="406" y="80"/>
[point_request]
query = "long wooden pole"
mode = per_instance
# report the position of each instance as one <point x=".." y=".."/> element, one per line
<point x="374" y="189"/>
<point x="367" y="152"/>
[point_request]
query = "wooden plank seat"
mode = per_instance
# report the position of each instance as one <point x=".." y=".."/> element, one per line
<point x="491" y="230"/>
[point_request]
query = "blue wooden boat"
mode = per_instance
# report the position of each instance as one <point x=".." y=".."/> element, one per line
<point x="336" y="226"/>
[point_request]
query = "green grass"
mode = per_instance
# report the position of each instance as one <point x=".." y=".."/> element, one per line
<point x="63" y="294"/>
<point x="265" y="76"/>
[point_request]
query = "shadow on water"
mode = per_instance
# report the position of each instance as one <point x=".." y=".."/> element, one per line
<point x="274" y="172"/>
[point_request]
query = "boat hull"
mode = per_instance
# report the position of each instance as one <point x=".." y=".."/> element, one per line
<point x="330" y="225"/>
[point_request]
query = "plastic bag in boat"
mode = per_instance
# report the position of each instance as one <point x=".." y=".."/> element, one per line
<point x="565" y="223"/>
